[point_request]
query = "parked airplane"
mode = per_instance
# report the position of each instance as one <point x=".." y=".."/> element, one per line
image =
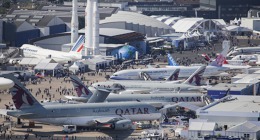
<point x="157" y="100"/>
<point x="99" y="115"/>
<point x="214" y="69"/>
<point x="244" y="50"/>
<point x="5" y="83"/>
<point x="149" y="86"/>
<point x="58" y="56"/>
<point x="231" y="64"/>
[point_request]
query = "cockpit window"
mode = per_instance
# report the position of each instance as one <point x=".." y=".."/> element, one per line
<point x="115" y="75"/>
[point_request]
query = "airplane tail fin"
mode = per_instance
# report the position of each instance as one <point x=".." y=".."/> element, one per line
<point x="21" y="96"/>
<point x="174" y="75"/>
<point x="171" y="61"/>
<point x="221" y="58"/>
<point x="99" y="95"/>
<point x="197" y="75"/>
<point x="80" y="88"/>
<point x="78" y="46"/>
<point x="206" y="57"/>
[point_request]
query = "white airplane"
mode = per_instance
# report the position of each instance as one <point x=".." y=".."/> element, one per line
<point x="5" y="83"/>
<point x="149" y="86"/>
<point x="157" y="100"/>
<point x="244" y="50"/>
<point x="58" y="56"/>
<point x="117" y="116"/>
<point x="214" y="69"/>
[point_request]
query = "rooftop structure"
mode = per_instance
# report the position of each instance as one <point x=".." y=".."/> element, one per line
<point x="232" y="110"/>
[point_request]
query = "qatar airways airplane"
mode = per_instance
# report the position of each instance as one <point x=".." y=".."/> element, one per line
<point x="58" y="56"/>
<point x="117" y="116"/>
<point x="157" y="100"/>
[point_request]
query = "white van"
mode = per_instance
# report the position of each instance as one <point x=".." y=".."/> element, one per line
<point x="69" y="128"/>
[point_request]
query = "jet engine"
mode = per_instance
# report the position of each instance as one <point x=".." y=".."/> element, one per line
<point x="122" y="125"/>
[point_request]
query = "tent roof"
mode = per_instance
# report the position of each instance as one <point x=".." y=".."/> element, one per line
<point x="183" y="25"/>
<point x="30" y="61"/>
<point x="220" y="21"/>
<point x="248" y="126"/>
<point x="48" y="61"/>
<point x="237" y="28"/>
<point x="48" y="66"/>
<point x="53" y="66"/>
<point x="202" y="126"/>
<point x="40" y="66"/>
<point x="25" y="61"/>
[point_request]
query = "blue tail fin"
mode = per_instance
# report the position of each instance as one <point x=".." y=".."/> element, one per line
<point x="171" y="61"/>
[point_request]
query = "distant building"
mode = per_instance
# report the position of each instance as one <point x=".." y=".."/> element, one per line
<point x="16" y="33"/>
<point x="228" y="9"/>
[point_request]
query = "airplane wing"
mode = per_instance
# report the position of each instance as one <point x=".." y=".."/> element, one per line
<point x="109" y="119"/>
<point x="149" y="66"/>
<point x="145" y="91"/>
<point x="79" y="99"/>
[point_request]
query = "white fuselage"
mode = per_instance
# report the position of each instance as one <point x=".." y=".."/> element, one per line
<point x="160" y="100"/>
<point x="5" y="83"/>
<point x="246" y="50"/>
<point x="58" y="56"/>
<point x="87" y="114"/>
<point x="162" y="73"/>
<point x="148" y="85"/>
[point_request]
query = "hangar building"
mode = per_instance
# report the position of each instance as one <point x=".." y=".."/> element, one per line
<point x="143" y="24"/>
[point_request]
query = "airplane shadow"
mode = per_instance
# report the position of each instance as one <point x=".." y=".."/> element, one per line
<point x="115" y="134"/>
<point x="40" y="133"/>
<point x="118" y="134"/>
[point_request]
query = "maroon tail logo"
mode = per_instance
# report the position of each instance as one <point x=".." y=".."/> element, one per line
<point x="20" y="97"/>
<point x="176" y="75"/>
<point x="80" y="89"/>
<point x="197" y="78"/>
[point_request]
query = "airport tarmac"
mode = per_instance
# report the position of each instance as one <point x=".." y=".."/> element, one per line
<point x="55" y="86"/>
<point x="51" y="88"/>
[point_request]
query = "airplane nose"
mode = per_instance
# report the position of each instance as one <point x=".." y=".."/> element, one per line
<point x="6" y="83"/>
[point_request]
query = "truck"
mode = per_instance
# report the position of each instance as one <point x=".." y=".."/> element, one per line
<point x="69" y="128"/>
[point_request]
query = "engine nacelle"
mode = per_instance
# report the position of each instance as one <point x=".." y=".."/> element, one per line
<point x="12" y="61"/>
<point x="122" y="125"/>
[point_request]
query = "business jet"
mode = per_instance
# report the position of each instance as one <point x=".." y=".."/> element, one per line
<point x="117" y="116"/>
<point x="157" y="100"/>
<point x="58" y="56"/>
